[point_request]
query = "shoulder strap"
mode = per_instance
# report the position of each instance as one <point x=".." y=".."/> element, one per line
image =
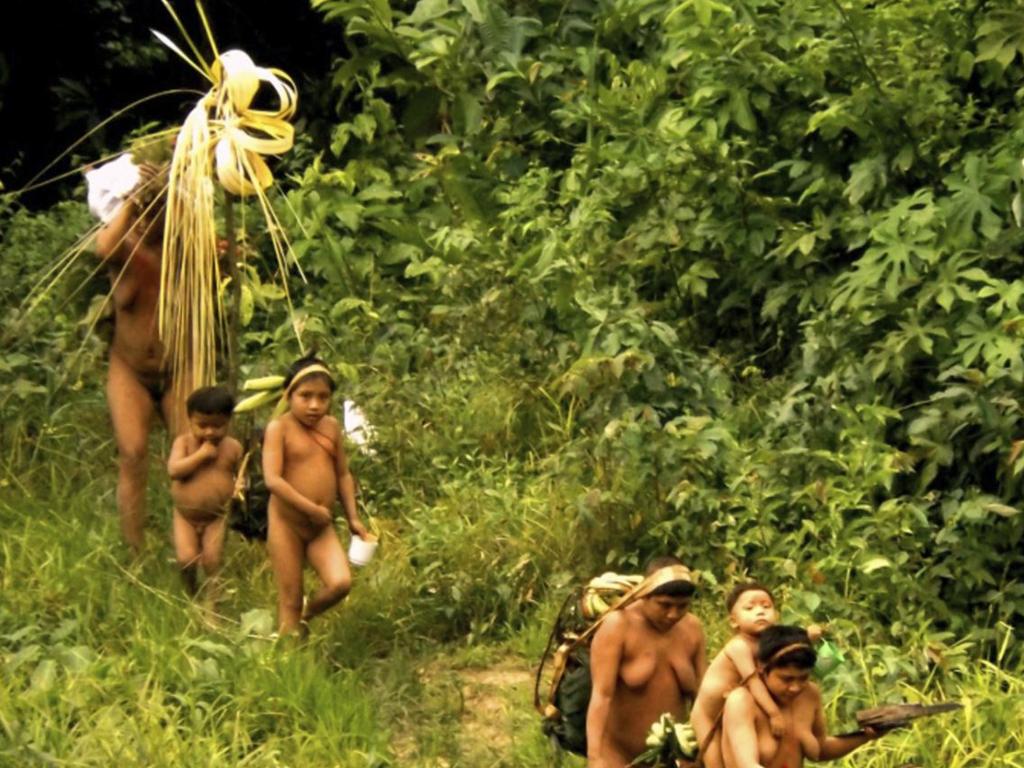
<point x="323" y="441"/>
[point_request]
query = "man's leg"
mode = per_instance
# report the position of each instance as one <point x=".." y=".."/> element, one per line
<point x="131" y="412"/>
<point x="328" y="560"/>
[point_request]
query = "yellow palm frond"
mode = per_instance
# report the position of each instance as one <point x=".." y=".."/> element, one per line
<point x="224" y="139"/>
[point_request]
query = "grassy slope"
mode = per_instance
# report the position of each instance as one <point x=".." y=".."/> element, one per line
<point x="105" y="663"/>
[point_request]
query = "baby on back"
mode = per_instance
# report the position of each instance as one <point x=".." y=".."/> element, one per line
<point x="751" y="609"/>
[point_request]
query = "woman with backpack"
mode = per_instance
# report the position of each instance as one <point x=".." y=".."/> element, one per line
<point x="646" y="659"/>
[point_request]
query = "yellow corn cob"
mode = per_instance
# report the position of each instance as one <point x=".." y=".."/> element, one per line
<point x="253" y="402"/>
<point x="263" y="383"/>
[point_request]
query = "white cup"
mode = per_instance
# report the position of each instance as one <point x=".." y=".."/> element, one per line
<point x="360" y="551"/>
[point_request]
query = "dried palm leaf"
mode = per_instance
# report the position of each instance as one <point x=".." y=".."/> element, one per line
<point x="225" y="138"/>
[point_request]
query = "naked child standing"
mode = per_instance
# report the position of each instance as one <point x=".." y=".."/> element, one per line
<point x="306" y="471"/>
<point x="203" y="466"/>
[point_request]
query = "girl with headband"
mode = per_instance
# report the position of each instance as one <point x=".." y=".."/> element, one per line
<point x="306" y="471"/>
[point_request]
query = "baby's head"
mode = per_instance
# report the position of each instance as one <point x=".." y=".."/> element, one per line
<point x="751" y="607"/>
<point x="209" y="413"/>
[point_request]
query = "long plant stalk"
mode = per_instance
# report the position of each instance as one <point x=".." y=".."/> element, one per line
<point x="234" y="329"/>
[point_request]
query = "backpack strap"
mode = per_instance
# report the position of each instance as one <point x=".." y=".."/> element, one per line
<point x="323" y="441"/>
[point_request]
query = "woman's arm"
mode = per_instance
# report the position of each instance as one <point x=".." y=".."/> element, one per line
<point x="833" y="747"/>
<point x="273" y="467"/>
<point x="700" y="655"/>
<point x="110" y="239"/>
<point x="605" y="656"/>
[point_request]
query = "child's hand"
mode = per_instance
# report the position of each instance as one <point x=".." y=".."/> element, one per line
<point x="321" y="517"/>
<point x="778" y="725"/>
<point x="815" y="632"/>
<point x="207" y="451"/>
<point x="357" y="528"/>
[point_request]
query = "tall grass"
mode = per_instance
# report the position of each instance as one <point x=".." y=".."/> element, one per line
<point x="987" y="732"/>
<point x="104" y="662"/>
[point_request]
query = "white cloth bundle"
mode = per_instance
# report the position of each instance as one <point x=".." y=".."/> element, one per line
<point x="357" y="428"/>
<point x="109" y="185"/>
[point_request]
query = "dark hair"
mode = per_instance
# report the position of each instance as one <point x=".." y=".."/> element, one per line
<point x="775" y="638"/>
<point x="211" y="400"/>
<point x="303" y="362"/>
<point x="747" y="586"/>
<point x="150" y="196"/>
<point x="673" y="588"/>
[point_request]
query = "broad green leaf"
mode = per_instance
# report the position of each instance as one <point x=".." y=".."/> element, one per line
<point x="875" y="563"/>
<point x="474" y="9"/>
<point x="740" y="108"/>
<point x="257" y="621"/>
<point x="246" y="305"/>
<point x="44" y="676"/>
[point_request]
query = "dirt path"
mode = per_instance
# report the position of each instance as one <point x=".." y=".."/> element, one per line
<point x="494" y="700"/>
<point x="472" y="717"/>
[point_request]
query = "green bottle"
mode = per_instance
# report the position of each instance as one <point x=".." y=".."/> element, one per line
<point x="829" y="659"/>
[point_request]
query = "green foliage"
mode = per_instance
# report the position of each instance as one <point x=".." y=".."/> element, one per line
<point x="104" y="664"/>
<point x="750" y="267"/>
<point x="46" y="318"/>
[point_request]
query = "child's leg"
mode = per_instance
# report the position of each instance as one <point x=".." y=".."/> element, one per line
<point x="210" y="556"/>
<point x="328" y="560"/>
<point x="285" y="549"/>
<point x="186" y="549"/>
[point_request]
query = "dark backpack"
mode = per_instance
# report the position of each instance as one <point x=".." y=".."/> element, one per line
<point x="568" y="653"/>
<point x="249" y="514"/>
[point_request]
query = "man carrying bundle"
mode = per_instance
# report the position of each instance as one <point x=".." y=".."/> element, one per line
<point x="138" y="382"/>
